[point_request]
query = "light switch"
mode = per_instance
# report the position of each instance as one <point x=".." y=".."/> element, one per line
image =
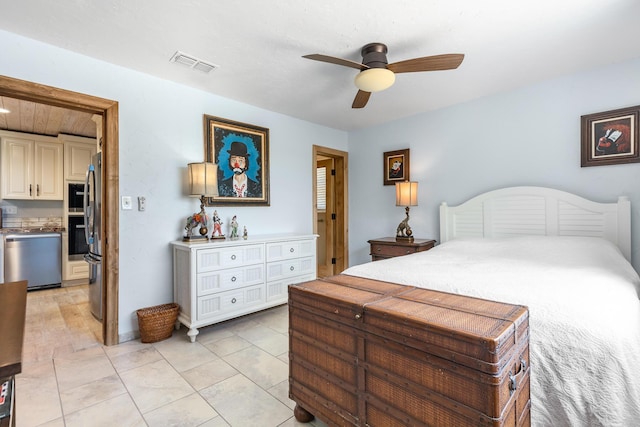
<point x="142" y="203"/>
<point x="126" y="203"/>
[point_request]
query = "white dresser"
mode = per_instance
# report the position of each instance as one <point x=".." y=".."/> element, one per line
<point x="223" y="279"/>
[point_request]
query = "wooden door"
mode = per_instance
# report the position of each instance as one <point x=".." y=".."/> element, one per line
<point x="326" y="216"/>
<point x="334" y="230"/>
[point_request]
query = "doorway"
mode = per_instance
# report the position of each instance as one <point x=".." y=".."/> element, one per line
<point x="330" y="209"/>
<point x="108" y="109"/>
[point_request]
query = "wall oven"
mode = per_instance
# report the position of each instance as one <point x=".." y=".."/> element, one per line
<point x="77" y="243"/>
<point x="75" y="197"/>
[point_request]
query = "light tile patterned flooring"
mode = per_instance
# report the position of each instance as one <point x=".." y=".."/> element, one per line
<point x="235" y="374"/>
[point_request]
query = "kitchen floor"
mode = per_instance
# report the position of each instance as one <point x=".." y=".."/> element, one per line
<point x="235" y="374"/>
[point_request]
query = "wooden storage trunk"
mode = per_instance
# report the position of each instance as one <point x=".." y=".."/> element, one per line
<point x="370" y="353"/>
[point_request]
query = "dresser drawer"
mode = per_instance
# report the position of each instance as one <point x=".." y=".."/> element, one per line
<point x="222" y="304"/>
<point x="290" y="268"/>
<point x="391" y="251"/>
<point x="233" y="256"/>
<point x="288" y="250"/>
<point x="233" y="278"/>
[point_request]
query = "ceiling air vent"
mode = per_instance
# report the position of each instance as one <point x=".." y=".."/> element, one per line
<point x="193" y="62"/>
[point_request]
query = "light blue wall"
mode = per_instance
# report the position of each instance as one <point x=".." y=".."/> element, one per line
<point x="529" y="136"/>
<point x="161" y="130"/>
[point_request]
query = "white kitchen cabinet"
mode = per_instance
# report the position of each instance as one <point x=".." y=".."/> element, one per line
<point x="32" y="167"/>
<point x="221" y="280"/>
<point x="78" y="152"/>
<point x="72" y="270"/>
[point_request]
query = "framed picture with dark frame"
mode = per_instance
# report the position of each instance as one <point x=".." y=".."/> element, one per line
<point x="396" y="166"/>
<point x="610" y="137"/>
<point x="241" y="152"/>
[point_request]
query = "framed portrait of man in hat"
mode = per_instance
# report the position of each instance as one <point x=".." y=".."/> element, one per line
<point x="241" y="152"/>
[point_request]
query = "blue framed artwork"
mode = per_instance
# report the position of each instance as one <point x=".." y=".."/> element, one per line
<point x="241" y="152"/>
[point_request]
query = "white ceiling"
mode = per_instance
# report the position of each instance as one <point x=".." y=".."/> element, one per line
<point x="259" y="45"/>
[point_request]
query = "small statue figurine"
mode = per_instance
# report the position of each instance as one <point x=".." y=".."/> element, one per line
<point x="404" y="232"/>
<point x="234" y="228"/>
<point x="245" y="234"/>
<point x="217" y="226"/>
<point x="199" y="219"/>
<point x="191" y="224"/>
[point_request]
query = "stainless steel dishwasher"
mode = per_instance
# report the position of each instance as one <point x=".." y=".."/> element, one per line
<point x="35" y="257"/>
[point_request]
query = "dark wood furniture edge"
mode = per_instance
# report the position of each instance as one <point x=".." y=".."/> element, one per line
<point x="13" y="305"/>
<point x="394" y="242"/>
<point x="390" y="247"/>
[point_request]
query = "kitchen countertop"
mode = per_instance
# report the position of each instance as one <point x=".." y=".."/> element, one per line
<point x="32" y="230"/>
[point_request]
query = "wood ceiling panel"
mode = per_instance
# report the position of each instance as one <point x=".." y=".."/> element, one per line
<point x="55" y="116"/>
<point x="3" y="117"/>
<point x="27" y="116"/>
<point x="13" y="118"/>
<point x="40" y="119"/>
<point x="33" y="117"/>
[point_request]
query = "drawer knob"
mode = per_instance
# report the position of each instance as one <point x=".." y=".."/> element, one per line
<point x="233" y="301"/>
<point x="233" y="279"/>
<point x="233" y="257"/>
<point x="378" y="249"/>
<point x="291" y="268"/>
<point x="292" y="250"/>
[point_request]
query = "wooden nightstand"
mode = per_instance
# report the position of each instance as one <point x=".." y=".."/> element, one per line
<point x="389" y="247"/>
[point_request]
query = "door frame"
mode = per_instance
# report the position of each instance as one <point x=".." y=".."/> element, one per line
<point x="108" y="109"/>
<point x="341" y="237"/>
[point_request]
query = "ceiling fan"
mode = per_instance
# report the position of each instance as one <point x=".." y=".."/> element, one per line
<point x="377" y="74"/>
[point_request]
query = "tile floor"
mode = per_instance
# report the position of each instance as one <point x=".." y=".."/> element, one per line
<point x="235" y="374"/>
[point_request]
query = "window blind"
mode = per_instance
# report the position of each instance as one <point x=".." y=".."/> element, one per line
<point x="321" y="188"/>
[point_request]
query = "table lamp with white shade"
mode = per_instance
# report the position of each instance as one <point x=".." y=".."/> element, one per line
<point x="203" y="182"/>
<point x="406" y="195"/>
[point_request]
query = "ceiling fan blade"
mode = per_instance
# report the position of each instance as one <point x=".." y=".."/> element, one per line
<point x="337" y="61"/>
<point x="361" y="99"/>
<point x="448" y="61"/>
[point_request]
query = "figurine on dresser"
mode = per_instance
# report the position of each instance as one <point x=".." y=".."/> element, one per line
<point x="197" y="220"/>
<point x="234" y="228"/>
<point x="217" y="226"/>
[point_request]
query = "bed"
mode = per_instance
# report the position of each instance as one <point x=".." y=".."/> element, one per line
<point x="567" y="259"/>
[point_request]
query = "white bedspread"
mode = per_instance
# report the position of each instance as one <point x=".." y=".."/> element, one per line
<point x="584" y="316"/>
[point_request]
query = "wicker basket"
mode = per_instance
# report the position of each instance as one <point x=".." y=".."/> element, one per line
<point x="156" y="323"/>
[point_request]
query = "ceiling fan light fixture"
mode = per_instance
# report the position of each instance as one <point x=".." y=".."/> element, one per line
<point x="375" y="79"/>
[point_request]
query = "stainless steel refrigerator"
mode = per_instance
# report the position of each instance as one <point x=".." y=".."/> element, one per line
<point x="92" y="207"/>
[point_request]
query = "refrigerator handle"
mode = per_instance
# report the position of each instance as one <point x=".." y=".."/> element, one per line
<point x="86" y="207"/>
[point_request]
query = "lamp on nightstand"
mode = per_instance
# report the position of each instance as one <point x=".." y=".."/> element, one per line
<point x="406" y="195"/>
<point x="203" y="182"/>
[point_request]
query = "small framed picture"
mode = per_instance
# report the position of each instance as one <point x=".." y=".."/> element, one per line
<point x="610" y="137"/>
<point x="241" y="152"/>
<point x="396" y="166"/>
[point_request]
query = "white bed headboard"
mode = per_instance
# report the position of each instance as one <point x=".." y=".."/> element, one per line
<point x="517" y="211"/>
